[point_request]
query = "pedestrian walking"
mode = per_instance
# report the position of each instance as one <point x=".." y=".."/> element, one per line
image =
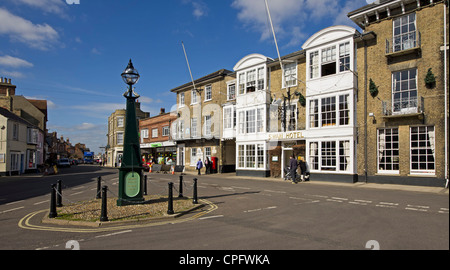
<point x="302" y="165"/>
<point x="207" y="166"/>
<point x="293" y="168"/>
<point x="199" y="165"/>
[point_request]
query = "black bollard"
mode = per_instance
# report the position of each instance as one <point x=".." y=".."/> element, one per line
<point x="59" y="194"/>
<point x="104" y="212"/>
<point x="195" y="200"/>
<point x="99" y="186"/>
<point x="170" y="206"/>
<point x="145" y="184"/>
<point x="180" y="190"/>
<point x="53" y="212"/>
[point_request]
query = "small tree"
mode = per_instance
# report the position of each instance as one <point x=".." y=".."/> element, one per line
<point x="430" y="79"/>
<point x="373" y="89"/>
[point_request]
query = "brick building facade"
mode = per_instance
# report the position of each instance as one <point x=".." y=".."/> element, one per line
<point x="401" y="118"/>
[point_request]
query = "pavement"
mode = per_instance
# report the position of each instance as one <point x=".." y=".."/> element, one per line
<point x="438" y="190"/>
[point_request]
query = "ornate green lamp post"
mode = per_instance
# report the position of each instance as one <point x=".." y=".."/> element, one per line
<point x="130" y="172"/>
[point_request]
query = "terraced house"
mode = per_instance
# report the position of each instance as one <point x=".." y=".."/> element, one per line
<point x="403" y="92"/>
<point x="198" y="127"/>
<point x="366" y="106"/>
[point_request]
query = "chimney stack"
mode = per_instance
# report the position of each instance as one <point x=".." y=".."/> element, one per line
<point x="6" y="88"/>
<point x="163" y="110"/>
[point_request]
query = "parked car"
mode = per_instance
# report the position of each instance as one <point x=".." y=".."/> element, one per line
<point x="63" y="162"/>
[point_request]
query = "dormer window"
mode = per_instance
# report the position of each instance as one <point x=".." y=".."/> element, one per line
<point x="251" y="80"/>
<point x="325" y="62"/>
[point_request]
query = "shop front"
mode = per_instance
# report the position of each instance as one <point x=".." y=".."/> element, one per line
<point x="164" y="153"/>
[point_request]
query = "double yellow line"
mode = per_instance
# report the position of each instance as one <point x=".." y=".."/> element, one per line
<point x="25" y="222"/>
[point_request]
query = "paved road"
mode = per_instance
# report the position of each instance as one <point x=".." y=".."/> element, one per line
<point x="251" y="215"/>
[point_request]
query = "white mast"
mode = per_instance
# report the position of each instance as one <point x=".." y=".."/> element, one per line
<point x="187" y="61"/>
<point x="274" y="37"/>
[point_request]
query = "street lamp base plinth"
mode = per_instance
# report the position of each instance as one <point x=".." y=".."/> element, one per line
<point x="130" y="201"/>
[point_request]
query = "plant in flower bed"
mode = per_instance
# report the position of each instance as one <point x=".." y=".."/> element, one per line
<point x="155" y="206"/>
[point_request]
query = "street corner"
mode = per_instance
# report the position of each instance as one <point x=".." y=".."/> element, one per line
<point x="40" y="221"/>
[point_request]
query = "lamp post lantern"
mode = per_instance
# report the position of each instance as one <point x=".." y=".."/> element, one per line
<point x="130" y="172"/>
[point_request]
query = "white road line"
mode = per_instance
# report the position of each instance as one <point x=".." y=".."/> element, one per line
<point x="111" y="234"/>
<point x="315" y="201"/>
<point x="389" y="203"/>
<point x="241" y="187"/>
<point x="80" y="187"/>
<point x="358" y="203"/>
<point x="211" y="217"/>
<point x="363" y="201"/>
<point x="274" y="191"/>
<point x="385" y="205"/>
<point x="270" y="207"/>
<point x="9" y="210"/>
<point x="337" y="198"/>
<point x="296" y="198"/>
<point x="253" y="210"/>
<point x="41" y="202"/>
<point x="418" y="206"/>
<point x="15" y="202"/>
<point x="416" y="209"/>
<point x="76" y="193"/>
<point x="332" y="200"/>
<point x="319" y="196"/>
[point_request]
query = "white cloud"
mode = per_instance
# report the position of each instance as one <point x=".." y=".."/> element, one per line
<point x="200" y="9"/>
<point x="350" y="5"/>
<point x="38" y="36"/>
<point x="292" y="17"/>
<point x="48" y="6"/>
<point x="12" y="74"/>
<point x="14" y="62"/>
<point x="95" y="51"/>
<point x="101" y="107"/>
<point x="143" y="99"/>
<point x="254" y="15"/>
<point x="85" y="126"/>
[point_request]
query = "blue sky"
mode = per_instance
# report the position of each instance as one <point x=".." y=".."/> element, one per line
<point x="73" y="55"/>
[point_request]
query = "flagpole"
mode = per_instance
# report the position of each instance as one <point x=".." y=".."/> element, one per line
<point x="187" y="61"/>
<point x="274" y="37"/>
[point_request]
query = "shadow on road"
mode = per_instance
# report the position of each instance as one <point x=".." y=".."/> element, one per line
<point x="16" y="188"/>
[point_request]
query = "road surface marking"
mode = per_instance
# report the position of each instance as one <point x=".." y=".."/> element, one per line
<point x="418" y="206"/>
<point x="319" y="196"/>
<point x="253" y="210"/>
<point x="111" y="234"/>
<point x="363" y="201"/>
<point x="15" y="202"/>
<point x="41" y="202"/>
<point x="337" y="198"/>
<point x="9" y="210"/>
<point x="80" y="187"/>
<point x="358" y="203"/>
<point x="274" y="191"/>
<point x="240" y="187"/>
<point x="211" y="217"/>
<point x="296" y="198"/>
<point x="416" y="209"/>
<point x="76" y="193"/>
<point x="310" y="201"/>
<point x="332" y="200"/>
